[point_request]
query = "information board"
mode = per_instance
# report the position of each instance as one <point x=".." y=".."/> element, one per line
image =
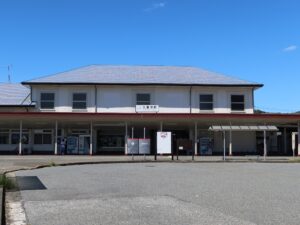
<point x="133" y="146"/>
<point x="144" y="146"/>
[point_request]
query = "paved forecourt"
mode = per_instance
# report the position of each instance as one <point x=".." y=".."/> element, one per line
<point x="16" y="162"/>
<point x="163" y="193"/>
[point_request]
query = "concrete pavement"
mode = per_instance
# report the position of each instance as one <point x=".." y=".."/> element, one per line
<point x="15" y="162"/>
<point x="164" y="193"/>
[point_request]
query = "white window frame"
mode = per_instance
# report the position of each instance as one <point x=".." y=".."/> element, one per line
<point x="43" y="131"/>
<point x="230" y="102"/>
<point x="86" y="101"/>
<point x="213" y="102"/>
<point x="142" y="93"/>
<point x="47" y="92"/>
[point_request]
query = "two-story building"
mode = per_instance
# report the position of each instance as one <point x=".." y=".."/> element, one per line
<point x="96" y="109"/>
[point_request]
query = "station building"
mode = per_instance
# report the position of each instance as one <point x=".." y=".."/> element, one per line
<point x="100" y="109"/>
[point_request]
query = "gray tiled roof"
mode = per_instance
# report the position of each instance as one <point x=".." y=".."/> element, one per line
<point x="172" y="75"/>
<point x="14" y="94"/>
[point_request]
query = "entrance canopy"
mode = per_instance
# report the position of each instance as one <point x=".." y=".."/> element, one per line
<point x="243" y="128"/>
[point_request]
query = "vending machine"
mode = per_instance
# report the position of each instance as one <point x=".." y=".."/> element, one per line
<point x="72" y="145"/>
<point x="84" y="144"/>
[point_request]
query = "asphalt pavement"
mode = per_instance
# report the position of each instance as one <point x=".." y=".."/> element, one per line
<point x="163" y="193"/>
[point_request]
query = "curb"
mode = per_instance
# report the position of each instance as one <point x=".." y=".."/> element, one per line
<point x="2" y="205"/>
<point x="147" y="161"/>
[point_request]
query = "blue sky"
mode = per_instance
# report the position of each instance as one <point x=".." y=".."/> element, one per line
<point x="256" y="40"/>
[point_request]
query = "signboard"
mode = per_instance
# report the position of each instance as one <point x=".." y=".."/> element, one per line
<point x="144" y="146"/>
<point x="146" y="108"/>
<point x="72" y="145"/>
<point x="132" y="146"/>
<point x="164" y="145"/>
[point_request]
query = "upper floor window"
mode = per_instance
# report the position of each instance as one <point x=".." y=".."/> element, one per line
<point x="237" y="102"/>
<point x="143" y="99"/>
<point x="79" y="101"/>
<point x="206" y="102"/>
<point x="47" y="100"/>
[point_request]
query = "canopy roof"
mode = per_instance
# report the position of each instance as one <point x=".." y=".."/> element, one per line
<point x="243" y="128"/>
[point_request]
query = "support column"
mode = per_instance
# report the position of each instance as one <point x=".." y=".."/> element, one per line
<point x="20" y="137"/>
<point x="55" y="140"/>
<point x="298" y="138"/>
<point x="195" y="140"/>
<point x="161" y="126"/>
<point x="230" y="142"/>
<point x="91" y="138"/>
<point x="132" y="132"/>
<point x="294" y="142"/>
<point x="126" y="136"/>
<point x="265" y="144"/>
<point x="284" y="141"/>
<point x="224" y="145"/>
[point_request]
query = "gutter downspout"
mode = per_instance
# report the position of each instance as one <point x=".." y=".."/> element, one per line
<point x="191" y="99"/>
<point x="253" y="99"/>
<point x="96" y="99"/>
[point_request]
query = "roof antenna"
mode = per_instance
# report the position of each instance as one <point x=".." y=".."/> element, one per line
<point x="8" y="72"/>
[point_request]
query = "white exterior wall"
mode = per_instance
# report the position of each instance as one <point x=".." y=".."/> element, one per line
<point x="63" y="97"/>
<point x="122" y="99"/>
<point x="222" y="98"/>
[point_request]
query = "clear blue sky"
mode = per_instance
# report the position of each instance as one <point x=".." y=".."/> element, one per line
<point x="256" y="40"/>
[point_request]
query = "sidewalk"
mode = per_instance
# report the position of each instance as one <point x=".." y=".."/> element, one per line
<point x="15" y="162"/>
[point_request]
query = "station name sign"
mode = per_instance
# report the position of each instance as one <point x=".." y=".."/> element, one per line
<point x="146" y="108"/>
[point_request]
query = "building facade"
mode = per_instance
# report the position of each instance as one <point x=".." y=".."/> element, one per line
<point x="102" y="109"/>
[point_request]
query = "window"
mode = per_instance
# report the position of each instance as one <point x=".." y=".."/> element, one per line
<point x="43" y="137"/>
<point x="111" y="141"/>
<point x="206" y="102"/>
<point x="237" y="102"/>
<point x="15" y="137"/>
<point x="79" y="101"/>
<point x="47" y="100"/>
<point x="4" y="137"/>
<point x="143" y="99"/>
<point x="79" y="132"/>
